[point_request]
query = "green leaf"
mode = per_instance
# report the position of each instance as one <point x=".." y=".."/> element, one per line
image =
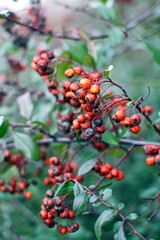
<point x="104" y="186"/>
<point x="87" y="166"/>
<point x="3" y="126"/>
<point x="25" y="105"/>
<point x="49" y="38"/>
<point x="64" y="188"/>
<point x="78" y="52"/>
<point x="120" y="206"/>
<point x="106" y="193"/>
<point x="107" y="72"/>
<point x="121" y="235"/>
<point x="80" y="199"/>
<point x="153" y="50"/>
<point x="132" y="216"/>
<point x="26" y="145"/>
<point x="105" y="216"/>
<point x="38" y="123"/>
<point x="93" y="199"/>
<point x="104" y="1"/>
<point x="123" y="131"/>
<point x="108" y="137"/>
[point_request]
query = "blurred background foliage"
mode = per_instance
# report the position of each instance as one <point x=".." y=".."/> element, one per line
<point x="132" y="47"/>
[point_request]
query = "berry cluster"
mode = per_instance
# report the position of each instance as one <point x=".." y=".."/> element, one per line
<point x="108" y="171"/>
<point x="132" y="122"/>
<point x="42" y="64"/>
<point x="34" y="17"/>
<point x="59" y="172"/>
<point x="16" y="187"/>
<point x="55" y="207"/>
<point x="17" y="159"/>
<point x="154" y="152"/>
<point x="64" y="124"/>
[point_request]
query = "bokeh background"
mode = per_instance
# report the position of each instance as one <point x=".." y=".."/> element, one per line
<point x="129" y="24"/>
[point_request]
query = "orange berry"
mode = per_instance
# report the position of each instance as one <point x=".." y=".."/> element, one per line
<point x="126" y="122"/>
<point x="78" y="70"/>
<point x="87" y="107"/>
<point x="94" y="88"/>
<point x="85" y="83"/>
<point x="74" y="86"/>
<point x="120" y="176"/>
<point x="34" y="66"/>
<point x="150" y="149"/>
<point x="109" y="176"/>
<point x="151" y="160"/>
<point x="66" y="85"/>
<point x="76" y="124"/>
<point x="94" y="76"/>
<point x="90" y="97"/>
<point x="69" y="72"/>
<point x="28" y="194"/>
<point x="86" y="124"/>
<point x="81" y="118"/>
<point x="135" y="129"/>
<point x="120" y="115"/>
<point x="115" y="172"/>
<point x="147" y="110"/>
<point x="135" y="119"/>
<point x="43" y="214"/>
<point x="80" y="93"/>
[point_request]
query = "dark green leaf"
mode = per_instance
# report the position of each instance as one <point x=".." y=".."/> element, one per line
<point x="64" y="188"/>
<point x="80" y="199"/>
<point x="153" y="50"/>
<point x="3" y="127"/>
<point x="87" y="166"/>
<point x="26" y="145"/>
<point x="108" y="137"/>
<point x="105" y="216"/>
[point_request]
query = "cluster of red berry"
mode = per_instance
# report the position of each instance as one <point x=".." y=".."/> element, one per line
<point x="132" y="122"/>
<point x="59" y="172"/>
<point x="108" y="171"/>
<point x="154" y="152"/>
<point x="55" y="207"/>
<point x="42" y="64"/>
<point x="15" y="159"/>
<point x="17" y="185"/>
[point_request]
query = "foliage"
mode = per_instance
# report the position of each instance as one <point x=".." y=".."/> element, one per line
<point x="35" y="113"/>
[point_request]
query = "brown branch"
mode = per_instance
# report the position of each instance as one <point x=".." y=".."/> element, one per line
<point x="124" y="156"/>
<point x="117" y="212"/>
<point x="8" y="144"/>
<point x="58" y="36"/>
